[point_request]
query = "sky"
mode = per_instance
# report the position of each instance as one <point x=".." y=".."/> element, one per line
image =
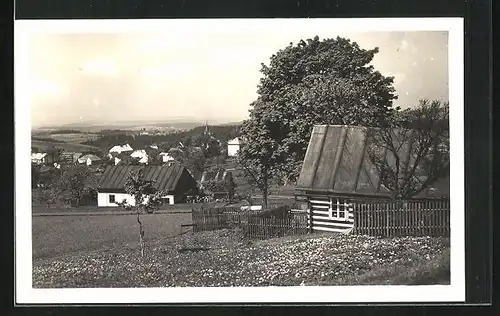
<point x="202" y="73"/>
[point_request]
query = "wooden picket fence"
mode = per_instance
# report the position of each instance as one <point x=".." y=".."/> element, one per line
<point x="205" y="221"/>
<point x="397" y="219"/>
<point x="269" y="227"/>
<point x="252" y="225"/>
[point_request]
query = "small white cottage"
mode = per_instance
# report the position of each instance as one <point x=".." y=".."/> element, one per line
<point x="89" y="159"/>
<point x="41" y="158"/>
<point x="119" y="149"/>
<point x="233" y="146"/>
<point x="141" y="155"/>
<point x="165" y="157"/>
<point x="173" y="179"/>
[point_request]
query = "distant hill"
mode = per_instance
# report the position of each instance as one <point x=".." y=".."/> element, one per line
<point x="172" y="124"/>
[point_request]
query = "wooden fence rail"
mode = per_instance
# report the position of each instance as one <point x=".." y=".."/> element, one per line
<point x="268" y="227"/>
<point x="253" y="225"/>
<point x="396" y="219"/>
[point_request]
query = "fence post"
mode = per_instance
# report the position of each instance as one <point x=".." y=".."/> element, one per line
<point x="387" y="220"/>
<point x="309" y="217"/>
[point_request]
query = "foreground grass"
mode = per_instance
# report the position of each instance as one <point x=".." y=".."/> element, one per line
<point x="57" y="235"/>
<point x="222" y="258"/>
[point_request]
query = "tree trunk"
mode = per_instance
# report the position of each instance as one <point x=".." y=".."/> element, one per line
<point x="141" y="235"/>
<point x="264" y="193"/>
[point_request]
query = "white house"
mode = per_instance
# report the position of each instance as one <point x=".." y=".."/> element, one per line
<point x="119" y="149"/>
<point x="88" y="159"/>
<point x="141" y="155"/>
<point x="233" y="146"/>
<point x="165" y="157"/>
<point x="41" y="158"/>
<point x="173" y="179"/>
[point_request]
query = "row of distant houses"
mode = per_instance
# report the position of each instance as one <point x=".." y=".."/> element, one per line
<point x="66" y="157"/>
<point x="140" y="154"/>
<point x="171" y="177"/>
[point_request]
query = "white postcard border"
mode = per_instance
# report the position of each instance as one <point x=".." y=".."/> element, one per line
<point x="24" y="293"/>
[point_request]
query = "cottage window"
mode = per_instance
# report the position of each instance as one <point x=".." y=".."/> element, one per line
<point x="338" y="209"/>
<point x="111" y="198"/>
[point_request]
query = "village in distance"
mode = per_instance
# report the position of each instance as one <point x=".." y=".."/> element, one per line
<point x="327" y="180"/>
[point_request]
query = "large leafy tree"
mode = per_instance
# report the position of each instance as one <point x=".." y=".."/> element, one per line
<point x="153" y="156"/>
<point x="54" y="153"/>
<point x="75" y="184"/>
<point x="314" y="82"/>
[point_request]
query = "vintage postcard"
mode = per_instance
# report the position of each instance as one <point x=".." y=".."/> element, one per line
<point x="239" y="161"/>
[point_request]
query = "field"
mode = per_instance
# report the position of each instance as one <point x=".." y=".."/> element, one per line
<point x="43" y="145"/>
<point x="223" y="258"/>
<point x="74" y="137"/>
<point x="57" y="235"/>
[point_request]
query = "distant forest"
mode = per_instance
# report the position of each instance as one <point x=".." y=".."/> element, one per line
<point x="107" y="140"/>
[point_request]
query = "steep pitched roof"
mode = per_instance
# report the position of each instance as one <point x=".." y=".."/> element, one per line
<point x="122" y="148"/>
<point x="69" y="155"/>
<point x="166" y="177"/>
<point x="335" y="162"/>
<point x="140" y="153"/>
<point x="38" y="156"/>
<point x="89" y="156"/>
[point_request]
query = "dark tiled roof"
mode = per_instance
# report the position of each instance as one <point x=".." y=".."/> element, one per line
<point x="166" y="177"/>
<point x="335" y="163"/>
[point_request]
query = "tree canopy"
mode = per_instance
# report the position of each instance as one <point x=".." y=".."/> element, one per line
<point x="75" y="184"/>
<point x="314" y="82"/>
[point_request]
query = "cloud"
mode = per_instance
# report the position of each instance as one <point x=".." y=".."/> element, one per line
<point x="162" y="43"/>
<point x="100" y="67"/>
<point x="167" y="70"/>
<point x="399" y="78"/>
<point x="155" y="45"/>
<point x="404" y="45"/>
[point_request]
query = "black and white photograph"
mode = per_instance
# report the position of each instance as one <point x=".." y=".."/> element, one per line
<point x="239" y="160"/>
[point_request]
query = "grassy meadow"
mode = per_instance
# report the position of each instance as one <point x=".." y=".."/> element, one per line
<point x="74" y="137"/>
<point x="71" y="234"/>
<point x="43" y="145"/>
